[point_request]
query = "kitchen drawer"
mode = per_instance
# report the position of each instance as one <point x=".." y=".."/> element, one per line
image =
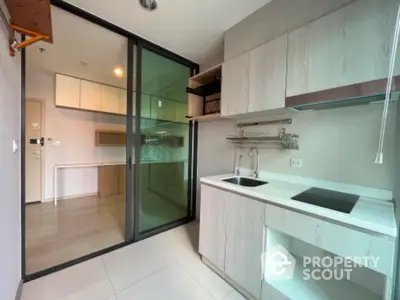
<point x="338" y="239"/>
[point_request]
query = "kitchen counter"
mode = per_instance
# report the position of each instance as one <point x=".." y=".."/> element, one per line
<point x="374" y="211"/>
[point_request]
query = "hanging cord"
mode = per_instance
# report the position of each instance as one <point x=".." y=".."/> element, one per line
<point x="379" y="155"/>
<point x="10" y="32"/>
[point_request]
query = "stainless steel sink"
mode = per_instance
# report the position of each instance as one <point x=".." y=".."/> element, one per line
<point x="244" y="181"/>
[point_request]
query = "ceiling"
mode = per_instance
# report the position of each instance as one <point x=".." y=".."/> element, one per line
<point x="85" y="50"/>
<point x="191" y="28"/>
<point x="80" y="49"/>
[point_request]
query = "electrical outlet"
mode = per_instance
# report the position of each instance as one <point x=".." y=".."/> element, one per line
<point x="296" y="162"/>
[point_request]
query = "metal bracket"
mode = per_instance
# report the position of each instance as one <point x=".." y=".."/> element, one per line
<point x="17" y="46"/>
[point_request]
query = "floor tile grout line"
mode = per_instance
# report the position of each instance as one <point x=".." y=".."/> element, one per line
<point x="208" y="292"/>
<point x="230" y="293"/>
<point x="147" y="276"/>
<point x="108" y="275"/>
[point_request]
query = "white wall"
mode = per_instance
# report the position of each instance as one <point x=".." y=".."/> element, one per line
<point x="10" y="217"/>
<point x="336" y="145"/>
<point x="273" y="20"/>
<point x="215" y="155"/>
<point x="75" y="132"/>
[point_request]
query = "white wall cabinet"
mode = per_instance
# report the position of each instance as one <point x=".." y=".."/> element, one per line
<point x="244" y="241"/>
<point x="110" y="100"/>
<point x="212" y="225"/>
<point x="235" y="86"/>
<point x="90" y="95"/>
<point x="122" y="102"/>
<point x="68" y="91"/>
<point x="267" y="76"/>
<point x="348" y="46"/>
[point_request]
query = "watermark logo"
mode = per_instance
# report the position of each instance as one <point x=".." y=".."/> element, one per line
<point x="335" y="267"/>
<point x="277" y="264"/>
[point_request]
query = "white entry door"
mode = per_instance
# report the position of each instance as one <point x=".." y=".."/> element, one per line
<point x="33" y="153"/>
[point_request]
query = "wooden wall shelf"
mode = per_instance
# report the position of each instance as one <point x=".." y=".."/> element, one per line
<point x="30" y="17"/>
<point x="209" y="117"/>
<point x="110" y="138"/>
<point x="105" y="138"/>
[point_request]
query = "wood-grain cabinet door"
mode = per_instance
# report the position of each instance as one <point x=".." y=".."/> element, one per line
<point x="267" y="76"/>
<point x="212" y="225"/>
<point x="90" y="95"/>
<point x="369" y="30"/>
<point x="68" y="91"/>
<point x="244" y="242"/>
<point x="297" y="62"/>
<point x="326" y="52"/>
<point x="235" y="86"/>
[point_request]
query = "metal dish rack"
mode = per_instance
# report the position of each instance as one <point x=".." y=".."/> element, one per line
<point x="284" y="139"/>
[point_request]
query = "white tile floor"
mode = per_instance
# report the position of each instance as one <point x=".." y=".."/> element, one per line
<point x="164" y="267"/>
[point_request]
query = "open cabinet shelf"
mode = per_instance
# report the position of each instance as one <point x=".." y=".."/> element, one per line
<point x="329" y="282"/>
<point x="298" y="288"/>
<point x="209" y="117"/>
<point x="204" y="94"/>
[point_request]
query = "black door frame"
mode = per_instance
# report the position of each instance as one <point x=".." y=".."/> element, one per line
<point x="132" y="234"/>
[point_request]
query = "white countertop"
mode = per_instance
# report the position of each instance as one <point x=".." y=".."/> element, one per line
<point x="373" y="211"/>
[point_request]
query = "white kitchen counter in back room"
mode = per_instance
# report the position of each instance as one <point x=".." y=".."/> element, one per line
<point x="374" y="211"/>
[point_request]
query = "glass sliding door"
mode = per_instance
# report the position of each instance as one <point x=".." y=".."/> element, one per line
<point x="164" y="152"/>
<point x="76" y="107"/>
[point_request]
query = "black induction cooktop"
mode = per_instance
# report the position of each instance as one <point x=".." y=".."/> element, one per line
<point x="328" y="199"/>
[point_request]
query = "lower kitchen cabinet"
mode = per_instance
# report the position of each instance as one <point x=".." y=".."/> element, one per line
<point x="231" y="236"/>
<point x="212" y="225"/>
<point x="244" y="241"/>
<point x="270" y="293"/>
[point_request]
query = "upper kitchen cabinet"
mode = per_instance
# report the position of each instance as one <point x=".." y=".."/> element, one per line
<point x="110" y="100"/>
<point x="90" y="95"/>
<point x="297" y="62"/>
<point x="235" y="86"/>
<point x="349" y="46"/>
<point x="68" y="91"/>
<point x="326" y="52"/>
<point x="369" y="31"/>
<point x="267" y="76"/>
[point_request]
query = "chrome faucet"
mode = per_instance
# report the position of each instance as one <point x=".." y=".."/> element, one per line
<point x="237" y="169"/>
<point x="256" y="171"/>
